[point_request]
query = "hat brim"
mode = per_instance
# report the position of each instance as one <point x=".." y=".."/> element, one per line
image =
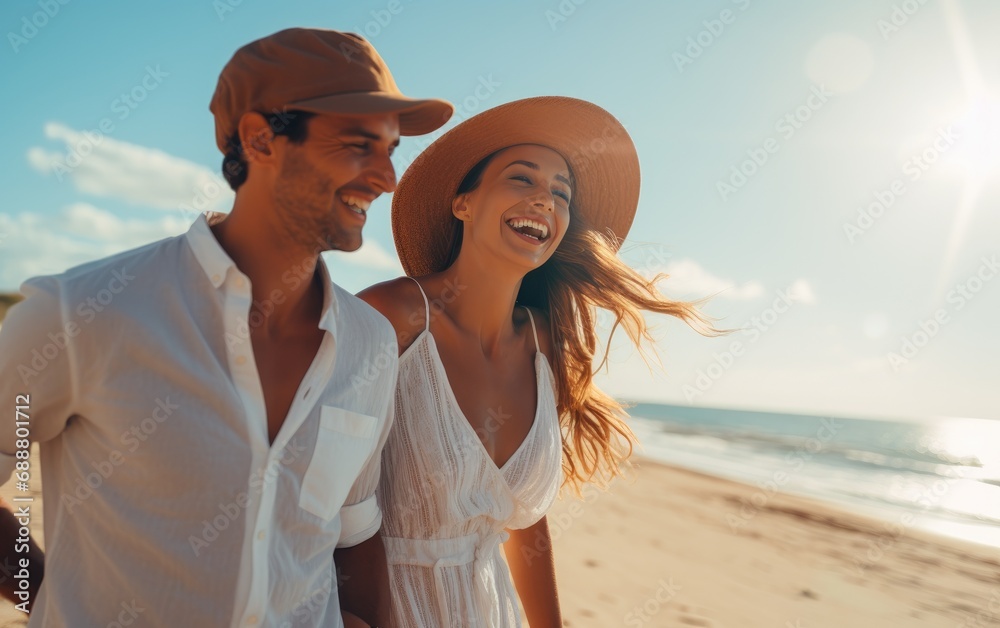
<point x="597" y="148"/>
<point x="416" y="116"/>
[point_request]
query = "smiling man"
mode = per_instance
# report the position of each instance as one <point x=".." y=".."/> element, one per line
<point x="208" y="457"/>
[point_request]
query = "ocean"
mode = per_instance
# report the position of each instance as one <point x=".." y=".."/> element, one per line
<point x="941" y="475"/>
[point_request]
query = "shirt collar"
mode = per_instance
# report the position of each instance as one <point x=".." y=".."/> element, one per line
<point x="216" y="263"/>
<point x="207" y="250"/>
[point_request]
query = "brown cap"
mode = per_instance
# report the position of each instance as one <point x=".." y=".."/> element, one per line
<point x="321" y="71"/>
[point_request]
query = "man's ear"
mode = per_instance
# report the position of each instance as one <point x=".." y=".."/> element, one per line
<point x="256" y="138"/>
<point x="460" y="208"/>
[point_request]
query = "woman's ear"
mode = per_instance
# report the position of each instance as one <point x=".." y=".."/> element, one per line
<point x="460" y="208"/>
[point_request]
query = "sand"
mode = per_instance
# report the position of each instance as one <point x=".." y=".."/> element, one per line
<point x="671" y="547"/>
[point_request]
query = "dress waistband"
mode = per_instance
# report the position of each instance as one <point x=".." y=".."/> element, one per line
<point x="447" y="552"/>
<point x="452" y="552"/>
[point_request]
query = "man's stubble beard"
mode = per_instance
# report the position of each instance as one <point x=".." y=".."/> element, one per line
<point x="305" y="199"/>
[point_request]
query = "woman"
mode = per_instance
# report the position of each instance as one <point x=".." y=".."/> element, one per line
<point x="507" y="227"/>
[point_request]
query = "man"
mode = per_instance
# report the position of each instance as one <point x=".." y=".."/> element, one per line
<point x="211" y="407"/>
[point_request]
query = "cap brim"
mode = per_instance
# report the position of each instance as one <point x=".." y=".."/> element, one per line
<point x="416" y="116"/>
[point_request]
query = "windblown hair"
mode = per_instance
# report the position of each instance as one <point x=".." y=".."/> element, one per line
<point x="582" y="275"/>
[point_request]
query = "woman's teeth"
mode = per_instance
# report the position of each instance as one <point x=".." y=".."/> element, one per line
<point x="355" y="204"/>
<point x="531" y="228"/>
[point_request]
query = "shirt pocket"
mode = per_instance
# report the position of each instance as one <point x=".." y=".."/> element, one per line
<point x="344" y="441"/>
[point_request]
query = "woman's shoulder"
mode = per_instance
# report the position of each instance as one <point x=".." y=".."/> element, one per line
<point x="400" y="301"/>
<point x="541" y="319"/>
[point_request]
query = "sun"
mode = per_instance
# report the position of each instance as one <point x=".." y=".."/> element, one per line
<point x="977" y="150"/>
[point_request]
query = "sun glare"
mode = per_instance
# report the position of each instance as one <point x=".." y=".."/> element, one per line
<point x="977" y="149"/>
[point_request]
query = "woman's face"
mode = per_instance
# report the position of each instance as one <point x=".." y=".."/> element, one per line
<point x="520" y="210"/>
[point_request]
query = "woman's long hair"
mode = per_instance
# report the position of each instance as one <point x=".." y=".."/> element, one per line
<point x="583" y="274"/>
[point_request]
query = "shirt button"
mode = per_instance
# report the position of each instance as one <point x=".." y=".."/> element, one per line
<point x="215" y="278"/>
<point x="241" y="360"/>
<point x="261" y="535"/>
<point x="240" y="282"/>
<point x="252" y="620"/>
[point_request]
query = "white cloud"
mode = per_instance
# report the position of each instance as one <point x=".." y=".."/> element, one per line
<point x="31" y="244"/>
<point x="105" y="167"/>
<point x="802" y="291"/>
<point x="85" y="221"/>
<point x="35" y="245"/>
<point x="689" y="279"/>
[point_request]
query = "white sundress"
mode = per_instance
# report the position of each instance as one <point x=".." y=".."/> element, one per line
<point x="446" y="504"/>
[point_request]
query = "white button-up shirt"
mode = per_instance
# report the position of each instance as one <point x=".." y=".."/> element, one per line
<point x="164" y="501"/>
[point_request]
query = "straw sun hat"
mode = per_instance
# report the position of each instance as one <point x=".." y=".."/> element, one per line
<point x="597" y="148"/>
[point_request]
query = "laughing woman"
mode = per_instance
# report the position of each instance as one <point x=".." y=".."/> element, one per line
<point x="508" y="228"/>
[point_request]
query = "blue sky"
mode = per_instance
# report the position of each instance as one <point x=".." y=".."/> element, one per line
<point x="867" y="134"/>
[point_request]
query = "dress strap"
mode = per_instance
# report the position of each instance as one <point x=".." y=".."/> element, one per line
<point x="533" y="330"/>
<point x="427" y="306"/>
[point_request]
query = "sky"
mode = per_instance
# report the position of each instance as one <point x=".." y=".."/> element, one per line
<point x="828" y="171"/>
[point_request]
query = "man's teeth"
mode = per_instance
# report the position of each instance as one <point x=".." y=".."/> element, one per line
<point x="359" y="205"/>
<point x="520" y="223"/>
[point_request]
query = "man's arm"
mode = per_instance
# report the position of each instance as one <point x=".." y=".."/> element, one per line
<point x="360" y="559"/>
<point x="37" y="397"/>
<point x="363" y="582"/>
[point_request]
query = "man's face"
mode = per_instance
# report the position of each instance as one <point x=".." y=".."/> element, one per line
<point x="326" y="184"/>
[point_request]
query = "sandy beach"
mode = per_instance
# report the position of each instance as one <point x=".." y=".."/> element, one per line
<point x="670" y="547"/>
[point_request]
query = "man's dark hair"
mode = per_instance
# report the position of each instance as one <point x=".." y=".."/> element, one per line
<point x="291" y="124"/>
